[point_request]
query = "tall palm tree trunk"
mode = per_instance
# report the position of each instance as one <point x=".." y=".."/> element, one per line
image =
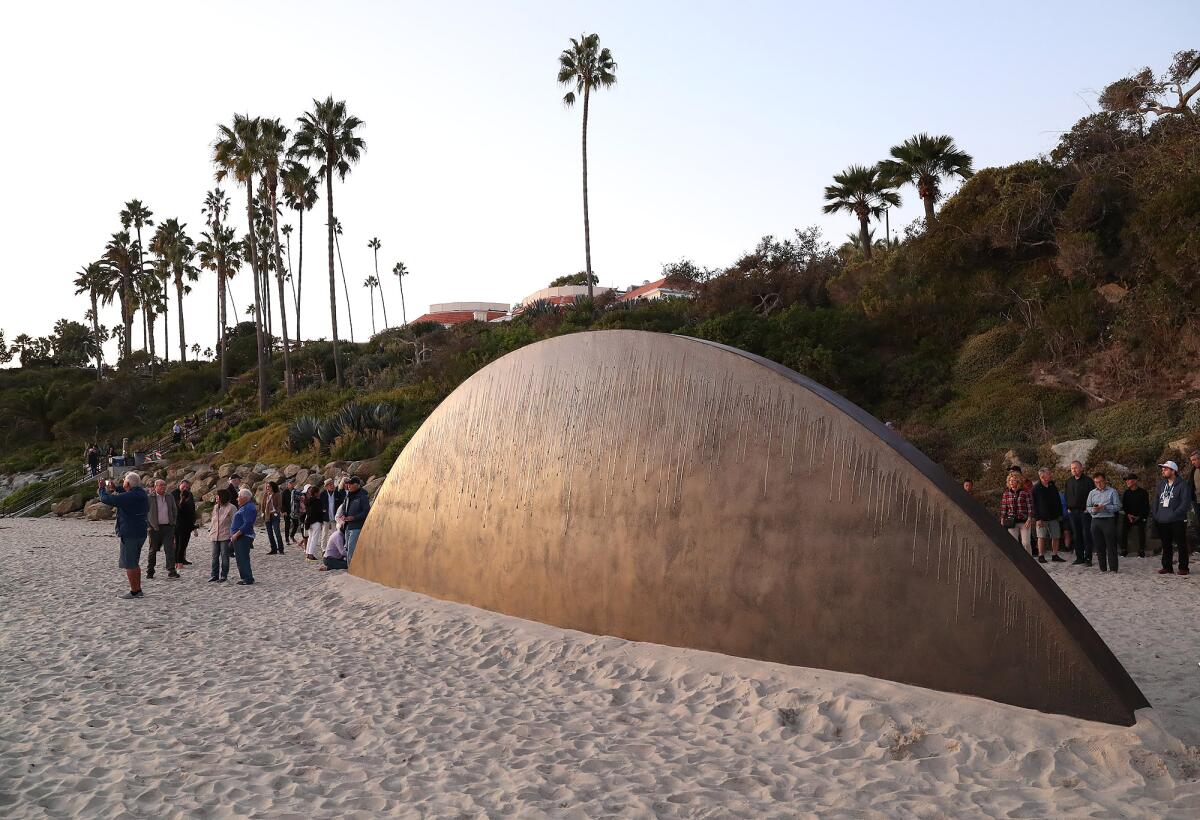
<point x="383" y="304"/>
<point x="258" y="315"/>
<point x="403" y="311"/>
<point x="864" y="235"/>
<point x="287" y="357"/>
<point x="377" y="279"/>
<point x="300" y="275"/>
<point x="345" y="287"/>
<point x="372" y="290"/>
<point x="179" y="305"/>
<point x="337" y="360"/>
<point x="587" y="227"/>
<point x="221" y="319"/>
<point x="96" y="336"/>
<point x="930" y="217"/>
<point x="127" y="316"/>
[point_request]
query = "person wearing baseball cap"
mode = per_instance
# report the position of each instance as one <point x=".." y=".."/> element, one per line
<point x="1170" y="517"/>
<point x="357" y="506"/>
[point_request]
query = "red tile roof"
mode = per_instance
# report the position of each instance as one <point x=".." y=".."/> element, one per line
<point x="457" y="317"/>
<point x="665" y="283"/>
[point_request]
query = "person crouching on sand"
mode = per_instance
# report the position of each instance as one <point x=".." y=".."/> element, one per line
<point x="133" y="505"/>
<point x="335" y="552"/>
<point x="242" y="534"/>
<point x="219" y="533"/>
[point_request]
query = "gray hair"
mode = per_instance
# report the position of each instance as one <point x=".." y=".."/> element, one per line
<point x="1080" y="463"/>
<point x="245" y="493"/>
<point x="134" y="479"/>
<point x="158" y="481"/>
<point x="1043" y="471"/>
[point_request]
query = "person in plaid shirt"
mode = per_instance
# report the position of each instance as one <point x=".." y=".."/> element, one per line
<point x="1015" y="513"/>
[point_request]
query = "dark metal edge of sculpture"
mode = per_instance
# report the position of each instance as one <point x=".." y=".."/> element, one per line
<point x="1060" y="604"/>
<point x="1111" y="683"/>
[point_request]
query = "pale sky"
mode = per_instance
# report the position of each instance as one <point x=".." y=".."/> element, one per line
<point x="726" y="123"/>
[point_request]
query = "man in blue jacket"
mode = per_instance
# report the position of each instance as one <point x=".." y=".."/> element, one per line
<point x="242" y="533"/>
<point x="358" y="504"/>
<point x="132" y="505"/>
<point x="1170" y="516"/>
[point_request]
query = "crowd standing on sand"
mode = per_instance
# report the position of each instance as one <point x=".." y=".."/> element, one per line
<point x="327" y="521"/>
<point x="1091" y="518"/>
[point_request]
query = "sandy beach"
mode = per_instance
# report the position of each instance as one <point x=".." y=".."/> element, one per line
<point x="319" y="695"/>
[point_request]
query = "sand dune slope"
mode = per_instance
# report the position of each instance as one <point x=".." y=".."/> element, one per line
<point x="316" y="696"/>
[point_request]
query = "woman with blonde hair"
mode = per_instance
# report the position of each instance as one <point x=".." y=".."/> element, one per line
<point x="1015" y="510"/>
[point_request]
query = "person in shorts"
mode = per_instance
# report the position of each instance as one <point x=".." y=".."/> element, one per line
<point x="133" y="506"/>
<point x="1047" y="514"/>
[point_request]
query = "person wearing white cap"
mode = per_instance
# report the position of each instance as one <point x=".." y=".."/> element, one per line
<point x="1170" y="517"/>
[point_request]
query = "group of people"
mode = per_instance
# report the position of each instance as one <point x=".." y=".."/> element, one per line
<point x="1090" y="516"/>
<point x="326" y="520"/>
<point x="99" y="458"/>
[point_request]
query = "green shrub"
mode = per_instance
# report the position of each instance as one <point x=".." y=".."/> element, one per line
<point x="986" y="351"/>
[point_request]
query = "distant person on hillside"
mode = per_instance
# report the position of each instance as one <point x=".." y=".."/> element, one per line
<point x="314" y="520"/>
<point x="93" y="460"/>
<point x="272" y="501"/>
<point x="219" y="534"/>
<point x="242" y="534"/>
<point x="1170" y="517"/>
<point x="162" y="518"/>
<point x="287" y="499"/>
<point x="1015" y="510"/>
<point x="185" y="521"/>
<point x="969" y="487"/>
<point x="132" y="507"/>
<point x="176" y="432"/>
<point x="1077" y="489"/>
<point x="1047" y="515"/>
<point x="1135" y="503"/>
<point x="357" y="507"/>
<point x="109" y="454"/>
<point x="1104" y="505"/>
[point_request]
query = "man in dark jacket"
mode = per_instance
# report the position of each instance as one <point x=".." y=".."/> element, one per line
<point x="287" y="499"/>
<point x="1135" y="502"/>
<point x="133" y="506"/>
<point x="1047" y="510"/>
<point x="331" y="499"/>
<point x="1170" y="516"/>
<point x="185" y="518"/>
<point x="358" y="504"/>
<point x="1077" y="489"/>
<point x="162" y="520"/>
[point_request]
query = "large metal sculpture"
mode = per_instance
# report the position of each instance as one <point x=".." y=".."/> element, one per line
<point x="672" y="490"/>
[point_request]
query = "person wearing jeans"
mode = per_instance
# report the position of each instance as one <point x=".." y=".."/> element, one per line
<point x="1077" y="488"/>
<point x="1104" y="505"/>
<point x="241" y="532"/>
<point x="219" y="534"/>
<point x="357" y="506"/>
<point x="1170" y="517"/>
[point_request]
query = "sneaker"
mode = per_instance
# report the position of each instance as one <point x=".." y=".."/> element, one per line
<point x="245" y="583"/>
<point x="149" y="574"/>
<point x="311" y="557"/>
<point x="174" y="575"/>
<point x="1104" y="569"/>
<point x="1077" y="562"/>
<point x="1166" y="572"/>
<point x="1055" y="558"/>
<point x="1041" y="559"/>
<point x="222" y="580"/>
<point x="273" y="552"/>
<point x="131" y="595"/>
<point x="186" y="563"/>
<point x="213" y="580"/>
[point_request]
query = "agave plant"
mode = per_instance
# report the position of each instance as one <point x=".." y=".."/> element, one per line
<point x="355" y="417"/>
<point x="539" y="308"/>
<point x="328" y="430"/>
<point x="383" y="418"/>
<point x="302" y="432"/>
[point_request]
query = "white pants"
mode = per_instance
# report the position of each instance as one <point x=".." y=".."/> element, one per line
<point x="1022" y="534"/>
<point x="315" y="531"/>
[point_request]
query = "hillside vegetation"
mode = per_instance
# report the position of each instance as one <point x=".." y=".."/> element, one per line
<point x="1051" y="299"/>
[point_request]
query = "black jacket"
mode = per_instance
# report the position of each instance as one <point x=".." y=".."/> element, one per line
<point x="1077" y="490"/>
<point x="1047" y="506"/>
<point x="186" y="517"/>
<point x="338" y="497"/>
<point x="314" y="510"/>
<point x="1136" y="502"/>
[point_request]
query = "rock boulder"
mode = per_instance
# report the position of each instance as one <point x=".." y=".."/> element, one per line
<point x="69" y="504"/>
<point x="1074" y="450"/>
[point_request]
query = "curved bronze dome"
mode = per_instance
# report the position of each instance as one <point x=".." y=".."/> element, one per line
<point x="666" y="489"/>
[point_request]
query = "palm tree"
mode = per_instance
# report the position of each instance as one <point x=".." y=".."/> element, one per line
<point x="237" y="152"/>
<point x="370" y="283"/>
<point x="121" y="264"/>
<point x="585" y="65"/>
<point x="337" y="231"/>
<point x="221" y="252"/>
<point x="176" y="250"/>
<point x="136" y="215"/>
<point x="148" y="291"/>
<point x="326" y="136"/>
<point x="287" y="231"/>
<point x="400" y="271"/>
<point x="922" y="161"/>
<point x="274" y="142"/>
<point x="863" y="192"/>
<point x="374" y="244"/>
<point x="299" y="194"/>
<point x="93" y="281"/>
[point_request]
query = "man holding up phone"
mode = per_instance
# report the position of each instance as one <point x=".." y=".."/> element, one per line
<point x="133" y="505"/>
